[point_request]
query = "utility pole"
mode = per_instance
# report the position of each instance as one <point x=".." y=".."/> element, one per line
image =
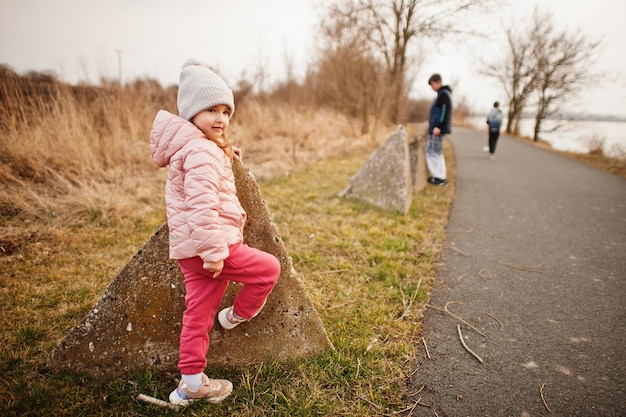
<point x="119" y="66"/>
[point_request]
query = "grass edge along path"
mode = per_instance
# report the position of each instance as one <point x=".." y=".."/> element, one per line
<point x="369" y="273"/>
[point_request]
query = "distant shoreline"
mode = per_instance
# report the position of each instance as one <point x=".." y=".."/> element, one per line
<point x="579" y="117"/>
<point x="612" y="164"/>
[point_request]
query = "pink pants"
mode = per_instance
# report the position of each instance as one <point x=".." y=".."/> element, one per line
<point x="258" y="271"/>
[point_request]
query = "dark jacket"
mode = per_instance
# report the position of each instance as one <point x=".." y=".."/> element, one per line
<point x="441" y="111"/>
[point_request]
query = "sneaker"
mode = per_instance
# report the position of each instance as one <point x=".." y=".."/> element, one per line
<point x="229" y="320"/>
<point x="485" y="148"/>
<point x="438" y="181"/>
<point x="212" y="390"/>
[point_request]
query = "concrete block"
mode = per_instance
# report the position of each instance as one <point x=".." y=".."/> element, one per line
<point x="136" y="324"/>
<point x="384" y="180"/>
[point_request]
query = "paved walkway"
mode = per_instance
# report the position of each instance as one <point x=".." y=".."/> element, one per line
<point x="535" y="259"/>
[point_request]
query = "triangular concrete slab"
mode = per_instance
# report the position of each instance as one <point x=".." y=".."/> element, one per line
<point x="384" y="180"/>
<point x="136" y="324"/>
<point x="417" y="156"/>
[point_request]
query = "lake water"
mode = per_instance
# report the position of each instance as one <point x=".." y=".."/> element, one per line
<point x="574" y="135"/>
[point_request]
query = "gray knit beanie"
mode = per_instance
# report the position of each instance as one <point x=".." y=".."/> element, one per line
<point x="201" y="88"/>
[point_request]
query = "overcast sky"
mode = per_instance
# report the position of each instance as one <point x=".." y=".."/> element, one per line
<point x="85" y="40"/>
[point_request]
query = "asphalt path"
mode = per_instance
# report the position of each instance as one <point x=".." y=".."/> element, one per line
<point x="533" y="275"/>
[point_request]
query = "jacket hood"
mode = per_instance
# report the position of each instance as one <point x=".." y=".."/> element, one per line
<point x="169" y="134"/>
<point x="446" y="87"/>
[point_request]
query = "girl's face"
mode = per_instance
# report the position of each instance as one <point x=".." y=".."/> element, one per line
<point x="213" y="121"/>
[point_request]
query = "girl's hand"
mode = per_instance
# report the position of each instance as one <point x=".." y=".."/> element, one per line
<point x="215" y="267"/>
<point x="236" y="153"/>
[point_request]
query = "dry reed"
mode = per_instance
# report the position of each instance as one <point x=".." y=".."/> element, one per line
<point x="81" y="154"/>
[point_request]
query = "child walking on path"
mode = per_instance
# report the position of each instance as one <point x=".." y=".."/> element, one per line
<point x="206" y="222"/>
<point x="494" y="121"/>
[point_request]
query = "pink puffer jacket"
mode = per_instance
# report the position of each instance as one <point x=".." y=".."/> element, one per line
<point x="203" y="212"/>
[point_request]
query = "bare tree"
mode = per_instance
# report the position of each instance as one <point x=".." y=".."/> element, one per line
<point x="388" y="31"/>
<point x="542" y="69"/>
<point x="347" y="77"/>
<point x="350" y="82"/>
<point x="562" y="67"/>
<point x="516" y="75"/>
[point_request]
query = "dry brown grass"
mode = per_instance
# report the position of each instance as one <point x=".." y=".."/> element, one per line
<point x="75" y="155"/>
<point x="72" y="154"/>
<point x="277" y="138"/>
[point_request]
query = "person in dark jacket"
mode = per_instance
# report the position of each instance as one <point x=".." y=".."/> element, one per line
<point x="439" y="125"/>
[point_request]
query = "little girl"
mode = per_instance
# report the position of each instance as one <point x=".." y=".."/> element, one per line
<point x="206" y="222"/>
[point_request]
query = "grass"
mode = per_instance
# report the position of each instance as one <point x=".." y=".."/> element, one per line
<point x="368" y="272"/>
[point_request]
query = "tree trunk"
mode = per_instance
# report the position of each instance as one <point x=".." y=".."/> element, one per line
<point x="509" y="122"/>
<point x="537" y="128"/>
<point x="516" y="125"/>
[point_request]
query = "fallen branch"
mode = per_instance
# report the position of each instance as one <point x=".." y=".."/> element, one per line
<point x="155" y="401"/>
<point x="461" y="277"/>
<point x="445" y="310"/>
<point x="411" y="408"/>
<point x="426" y="348"/>
<point x="369" y="402"/>
<point x="458" y="328"/>
<point x="536" y="269"/>
<point x="457" y="250"/>
<point x="480" y="274"/>
<point x="407" y="306"/>
<point x="496" y="319"/>
<point x="335" y="271"/>
<point x="542" y="398"/>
